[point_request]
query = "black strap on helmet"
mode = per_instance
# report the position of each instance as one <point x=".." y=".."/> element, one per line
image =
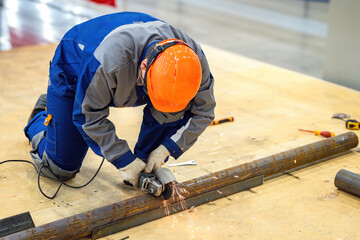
<point x="159" y="48"/>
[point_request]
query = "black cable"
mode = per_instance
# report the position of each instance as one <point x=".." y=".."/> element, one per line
<point x="38" y="181"/>
<point x="11" y="160"/>
<point x="38" y="171"/>
<point x="89" y="180"/>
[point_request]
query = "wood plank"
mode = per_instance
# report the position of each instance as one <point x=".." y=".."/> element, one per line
<point x="269" y="105"/>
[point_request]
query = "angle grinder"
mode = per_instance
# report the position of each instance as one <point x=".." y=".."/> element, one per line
<point x="158" y="183"/>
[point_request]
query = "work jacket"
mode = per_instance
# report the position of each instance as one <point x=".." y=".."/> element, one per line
<point x="97" y="64"/>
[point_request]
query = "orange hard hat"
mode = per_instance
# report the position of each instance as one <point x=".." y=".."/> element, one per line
<point x="173" y="75"/>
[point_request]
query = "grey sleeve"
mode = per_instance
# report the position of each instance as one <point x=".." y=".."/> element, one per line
<point x="98" y="131"/>
<point x="202" y="110"/>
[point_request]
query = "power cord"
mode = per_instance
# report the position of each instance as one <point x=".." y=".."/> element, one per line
<point x="38" y="171"/>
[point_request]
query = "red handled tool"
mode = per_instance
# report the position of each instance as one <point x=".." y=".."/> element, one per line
<point x="326" y="134"/>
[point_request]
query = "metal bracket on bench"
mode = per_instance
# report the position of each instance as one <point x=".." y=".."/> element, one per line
<point x="15" y="224"/>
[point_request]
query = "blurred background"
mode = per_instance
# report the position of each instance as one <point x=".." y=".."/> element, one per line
<point x="292" y="34"/>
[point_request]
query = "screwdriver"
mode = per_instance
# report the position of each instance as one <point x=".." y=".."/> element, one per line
<point x="228" y="119"/>
<point x="326" y="134"/>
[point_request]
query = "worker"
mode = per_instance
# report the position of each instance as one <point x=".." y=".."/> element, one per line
<point x="123" y="59"/>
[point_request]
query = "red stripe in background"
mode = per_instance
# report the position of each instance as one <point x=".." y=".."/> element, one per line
<point x="20" y="38"/>
<point x="107" y="2"/>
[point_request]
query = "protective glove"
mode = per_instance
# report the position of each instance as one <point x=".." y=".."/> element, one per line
<point x="132" y="171"/>
<point x="157" y="158"/>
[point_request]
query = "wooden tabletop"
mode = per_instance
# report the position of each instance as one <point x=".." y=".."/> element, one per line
<point x="269" y="105"/>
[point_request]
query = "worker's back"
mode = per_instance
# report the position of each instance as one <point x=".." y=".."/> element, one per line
<point x="82" y="40"/>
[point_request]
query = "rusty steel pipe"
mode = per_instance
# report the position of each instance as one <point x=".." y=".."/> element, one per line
<point x="82" y="225"/>
<point x="348" y="182"/>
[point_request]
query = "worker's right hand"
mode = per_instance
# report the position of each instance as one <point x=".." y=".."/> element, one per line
<point x="131" y="172"/>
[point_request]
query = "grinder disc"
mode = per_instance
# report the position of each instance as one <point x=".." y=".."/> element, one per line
<point x="168" y="192"/>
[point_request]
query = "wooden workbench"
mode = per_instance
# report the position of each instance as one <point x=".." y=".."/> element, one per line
<point x="269" y="105"/>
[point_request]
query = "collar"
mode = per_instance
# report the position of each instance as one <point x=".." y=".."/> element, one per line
<point x="146" y="49"/>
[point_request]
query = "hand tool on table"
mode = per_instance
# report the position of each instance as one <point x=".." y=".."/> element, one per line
<point x="191" y="162"/>
<point x="223" y="120"/>
<point x="340" y="115"/>
<point x="351" y="124"/>
<point x="326" y="134"/>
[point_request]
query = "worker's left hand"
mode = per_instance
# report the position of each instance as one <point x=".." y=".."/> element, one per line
<point x="157" y="158"/>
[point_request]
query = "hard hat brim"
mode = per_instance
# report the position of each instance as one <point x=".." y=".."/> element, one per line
<point x="168" y="108"/>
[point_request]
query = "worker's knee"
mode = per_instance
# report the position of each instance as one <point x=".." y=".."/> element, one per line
<point x="44" y="163"/>
<point x="49" y="168"/>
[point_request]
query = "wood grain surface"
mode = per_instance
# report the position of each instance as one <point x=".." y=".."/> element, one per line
<point x="269" y="105"/>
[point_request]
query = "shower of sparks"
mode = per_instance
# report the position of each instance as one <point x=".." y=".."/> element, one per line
<point x="166" y="208"/>
<point x="178" y="192"/>
<point x="179" y="196"/>
<point x="183" y="190"/>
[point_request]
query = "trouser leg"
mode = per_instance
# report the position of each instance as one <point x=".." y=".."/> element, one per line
<point x="59" y="146"/>
<point x="65" y="145"/>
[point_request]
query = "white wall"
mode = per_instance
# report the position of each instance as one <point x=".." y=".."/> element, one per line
<point x="342" y="61"/>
